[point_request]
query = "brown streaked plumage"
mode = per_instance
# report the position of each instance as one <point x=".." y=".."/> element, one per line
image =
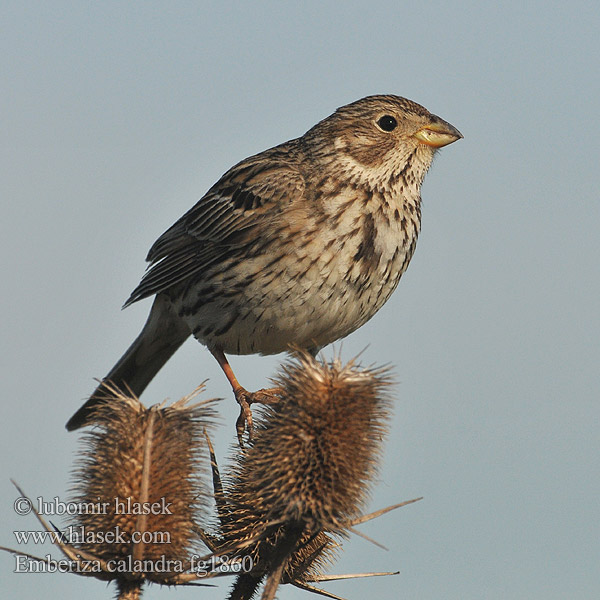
<point x="296" y="246"/>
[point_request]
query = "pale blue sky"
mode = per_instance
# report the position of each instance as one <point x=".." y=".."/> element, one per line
<point x="117" y="116"/>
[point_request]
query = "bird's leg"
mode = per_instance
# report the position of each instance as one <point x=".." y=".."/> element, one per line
<point x="243" y="397"/>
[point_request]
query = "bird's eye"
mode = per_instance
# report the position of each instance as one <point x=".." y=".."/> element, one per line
<point x="387" y="123"/>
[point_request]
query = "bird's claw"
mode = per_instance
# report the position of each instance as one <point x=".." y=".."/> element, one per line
<point x="245" y="398"/>
<point x="244" y="421"/>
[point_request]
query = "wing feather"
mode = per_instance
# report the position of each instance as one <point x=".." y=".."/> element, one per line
<point x="250" y="198"/>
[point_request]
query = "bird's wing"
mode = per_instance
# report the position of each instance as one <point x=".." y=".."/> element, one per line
<point x="248" y="199"/>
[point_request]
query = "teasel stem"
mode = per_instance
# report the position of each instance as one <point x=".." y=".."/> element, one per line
<point x="142" y="520"/>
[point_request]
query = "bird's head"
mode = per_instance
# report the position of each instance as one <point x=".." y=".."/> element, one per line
<point x="377" y="138"/>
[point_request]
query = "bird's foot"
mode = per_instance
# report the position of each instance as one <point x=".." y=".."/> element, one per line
<point x="245" y="398"/>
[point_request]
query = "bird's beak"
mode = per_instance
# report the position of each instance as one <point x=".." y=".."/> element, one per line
<point x="438" y="133"/>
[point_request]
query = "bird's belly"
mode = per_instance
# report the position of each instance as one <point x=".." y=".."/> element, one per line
<point x="308" y="303"/>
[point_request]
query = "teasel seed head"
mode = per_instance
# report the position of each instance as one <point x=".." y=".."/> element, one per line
<point x="316" y="451"/>
<point x="307" y="473"/>
<point x="141" y="484"/>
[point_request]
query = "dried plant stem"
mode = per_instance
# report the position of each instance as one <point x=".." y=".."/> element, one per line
<point x="281" y="556"/>
<point x="129" y="590"/>
<point x="142" y="520"/>
<point x="245" y="587"/>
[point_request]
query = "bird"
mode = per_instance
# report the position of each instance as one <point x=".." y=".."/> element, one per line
<point x="295" y="247"/>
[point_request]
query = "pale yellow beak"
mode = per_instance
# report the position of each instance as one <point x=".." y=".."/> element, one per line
<point x="438" y="133"/>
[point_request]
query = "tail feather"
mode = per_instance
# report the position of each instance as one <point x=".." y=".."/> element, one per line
<point x="163" y="333"/>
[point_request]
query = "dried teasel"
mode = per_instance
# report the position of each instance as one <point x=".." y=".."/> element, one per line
<point x="318" y="449"/>
<point x="303" y="482"/>
<point x="139" y="486"/>
<point x="305" y="565"/>
<point x="142" y="467"/>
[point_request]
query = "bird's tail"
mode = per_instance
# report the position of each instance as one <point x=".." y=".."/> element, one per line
<point x="163" y="333"/>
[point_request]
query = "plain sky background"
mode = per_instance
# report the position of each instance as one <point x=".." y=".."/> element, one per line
<point x="115" y="117"/>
